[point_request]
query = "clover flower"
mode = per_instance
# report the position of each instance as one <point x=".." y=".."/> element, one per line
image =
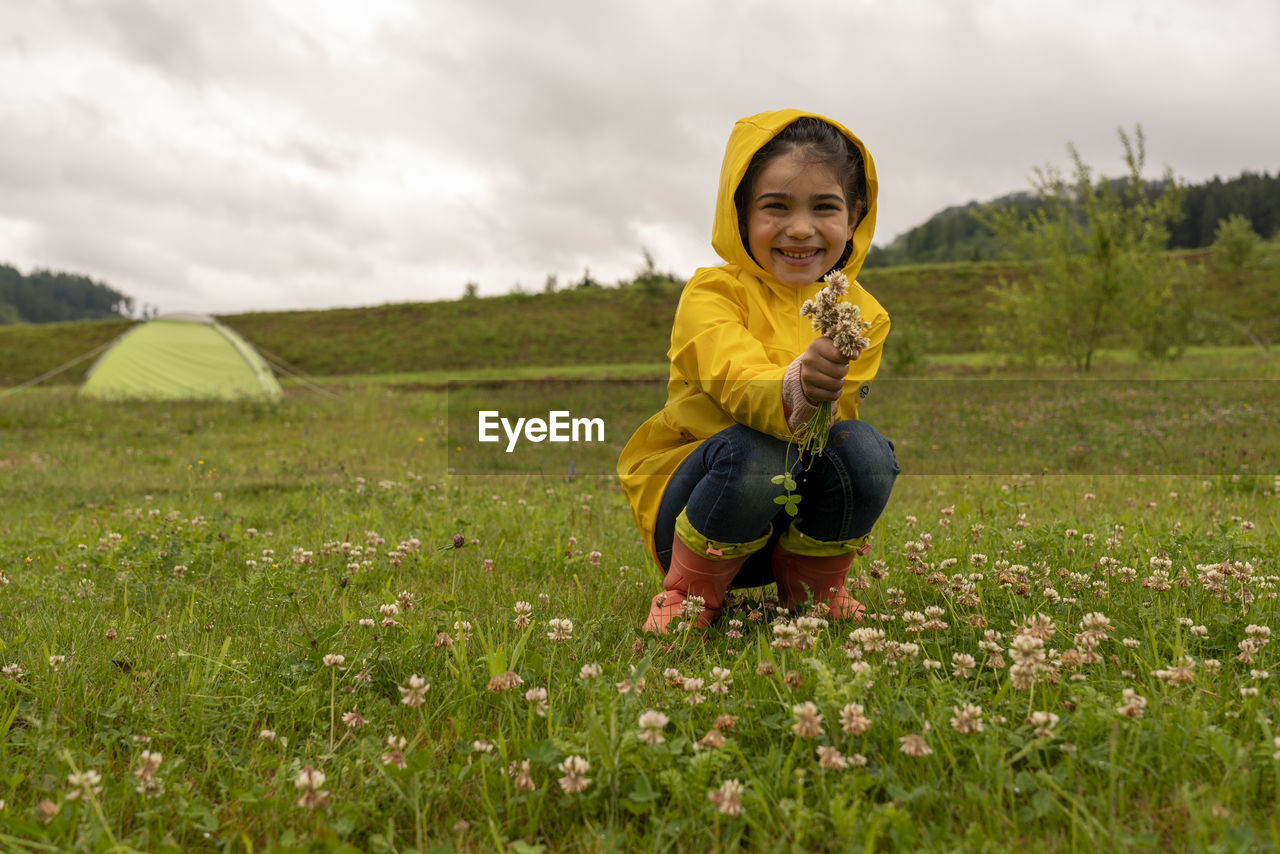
<point x="829" y="757"/>
<point x="808" y="723"/>
<point x="713" y="740"/>
<point x="561" y="630"/>
<point x="967" y="719"/>
<point x="590" y="671"/>
<point x="522" y="776"/>
<point x="148" y="783"/>
<point x="841" y="322"/>
<point x="574" y="769"/>
<point x="522" y="611"/>
<point x="537" y="697"/>
<point x="728" y="798"/>
<point x="693" y="691"/>
<point x="914" y="744"/>
<point x="85" y="784"/>
<point x="853" y="719"/>
<point x="414" y="691"/>
<point x="394" y="755"/>
<point x="651" y="724"/>
<point x="1133" y="705"/>
<point x="1044" y="722"/>
<point x="309" y="781"/>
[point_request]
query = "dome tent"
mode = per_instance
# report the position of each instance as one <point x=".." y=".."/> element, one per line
<point x="181" y="357"/>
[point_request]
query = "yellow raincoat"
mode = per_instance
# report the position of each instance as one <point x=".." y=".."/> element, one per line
<point x="736" y="331"/>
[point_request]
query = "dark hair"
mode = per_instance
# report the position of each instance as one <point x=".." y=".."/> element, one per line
<point x="821" y="143"/>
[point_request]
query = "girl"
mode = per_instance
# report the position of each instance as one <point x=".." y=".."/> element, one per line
<point x="797" y="200"/>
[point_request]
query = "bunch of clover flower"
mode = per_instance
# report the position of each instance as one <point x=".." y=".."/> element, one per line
<point x="841" y="322"/>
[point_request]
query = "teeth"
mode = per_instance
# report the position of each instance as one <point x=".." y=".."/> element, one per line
<point x="796" y="254"/>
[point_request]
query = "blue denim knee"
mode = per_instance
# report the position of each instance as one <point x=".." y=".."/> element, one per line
<point x="727" y="491"/>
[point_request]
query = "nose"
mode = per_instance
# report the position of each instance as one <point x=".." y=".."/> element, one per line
<point x="799" y="227"/>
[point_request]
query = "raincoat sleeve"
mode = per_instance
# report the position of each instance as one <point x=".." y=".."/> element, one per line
<point x="713" y="351"/>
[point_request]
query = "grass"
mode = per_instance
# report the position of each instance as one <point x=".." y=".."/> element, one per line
<point x="947" y="304"/>
<point x="178" y="578"/>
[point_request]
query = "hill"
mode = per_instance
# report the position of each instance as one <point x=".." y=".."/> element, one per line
<point x="630" y="324"/>
<point x="955" y="234"/>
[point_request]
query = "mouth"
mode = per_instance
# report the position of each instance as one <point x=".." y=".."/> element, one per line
<point x="798" y="256"/>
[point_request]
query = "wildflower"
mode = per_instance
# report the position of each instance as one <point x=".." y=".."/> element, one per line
<point x="367" y="622"/>
<point x="967" y="720"/>
<point x="85" y="784"/>
<point x="353" y="719"/>
<point x="308" y="782"/>
<point x="841" y="322"/>
<point x="267" y="735"/>
<point x="505" y="681"/>
<point x="728" y="798"/>
<point x="726" y="722"/>
<point x="334" y="660"/>
<point x="538" y="698"/>
<point x="1275" y="742"/>
<point x="829" y="757"/>
<point x="1133" y="704"/>
<point x="394" y="755"/>
<point x="482" y="746"/>
<point x="853" y="719"/>
<point x="1044" y="722"/>
<point x="148" y="783"/>
<point x="764" y="668"/>
<point x="792" y="679"/>
<point x="693" y="691"/>
<point x="47" y="809"/>
<point x="13" y="671"/>
<point x="522" y="611"/>
<point x="713" y="740"/>
<point x="414" y="690"/>
<point x="808" y="722"/>
<point x="574" y="768"/>
<point x="590" y="671"/>
<point x="56" y="661"/>
<point x="1181" y="674"/>
<point x="721" y="679"/>
<point x="561" y="630"/>
<point x="651" y="724"/>
<point x="522" y="776"/>
<point x="914" y="744"/>
<point x="961" y="664"/>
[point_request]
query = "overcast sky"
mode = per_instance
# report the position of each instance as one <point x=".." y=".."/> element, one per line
<point x="242" y="155"/>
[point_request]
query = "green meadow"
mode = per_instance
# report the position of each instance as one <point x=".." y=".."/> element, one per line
<point x="337" y="625"/>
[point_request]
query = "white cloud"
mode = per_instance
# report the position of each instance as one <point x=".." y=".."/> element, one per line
<point x="250" y="154"/>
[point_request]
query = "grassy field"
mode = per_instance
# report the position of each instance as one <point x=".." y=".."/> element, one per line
<point x="947" y="305"/>
<point x="234" y="628"/>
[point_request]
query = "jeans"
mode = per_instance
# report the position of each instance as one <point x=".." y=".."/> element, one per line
<point x="725" y="488"/>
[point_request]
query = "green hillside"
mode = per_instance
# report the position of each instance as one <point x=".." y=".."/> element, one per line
<point x="630" y="324"/>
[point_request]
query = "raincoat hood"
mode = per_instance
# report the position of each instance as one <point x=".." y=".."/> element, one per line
<point x="749" y="136"/>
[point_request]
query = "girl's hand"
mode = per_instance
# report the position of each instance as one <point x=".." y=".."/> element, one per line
<point x="822" y="371"/>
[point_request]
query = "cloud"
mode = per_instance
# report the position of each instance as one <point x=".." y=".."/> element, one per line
<point x="296" y="153"/>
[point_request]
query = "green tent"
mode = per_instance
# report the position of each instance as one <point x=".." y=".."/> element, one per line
<point x="181" y="357"/>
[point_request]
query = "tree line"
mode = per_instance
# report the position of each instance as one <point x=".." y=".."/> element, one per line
<point x="45" y="296"/>
<point x="960" y="233"/>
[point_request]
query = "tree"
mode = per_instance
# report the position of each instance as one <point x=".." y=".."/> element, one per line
<point x="1236" y="246"/>
<point x="1099" y="272"/>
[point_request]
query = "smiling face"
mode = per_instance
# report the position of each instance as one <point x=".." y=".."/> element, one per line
<point x="798" y="220"/>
